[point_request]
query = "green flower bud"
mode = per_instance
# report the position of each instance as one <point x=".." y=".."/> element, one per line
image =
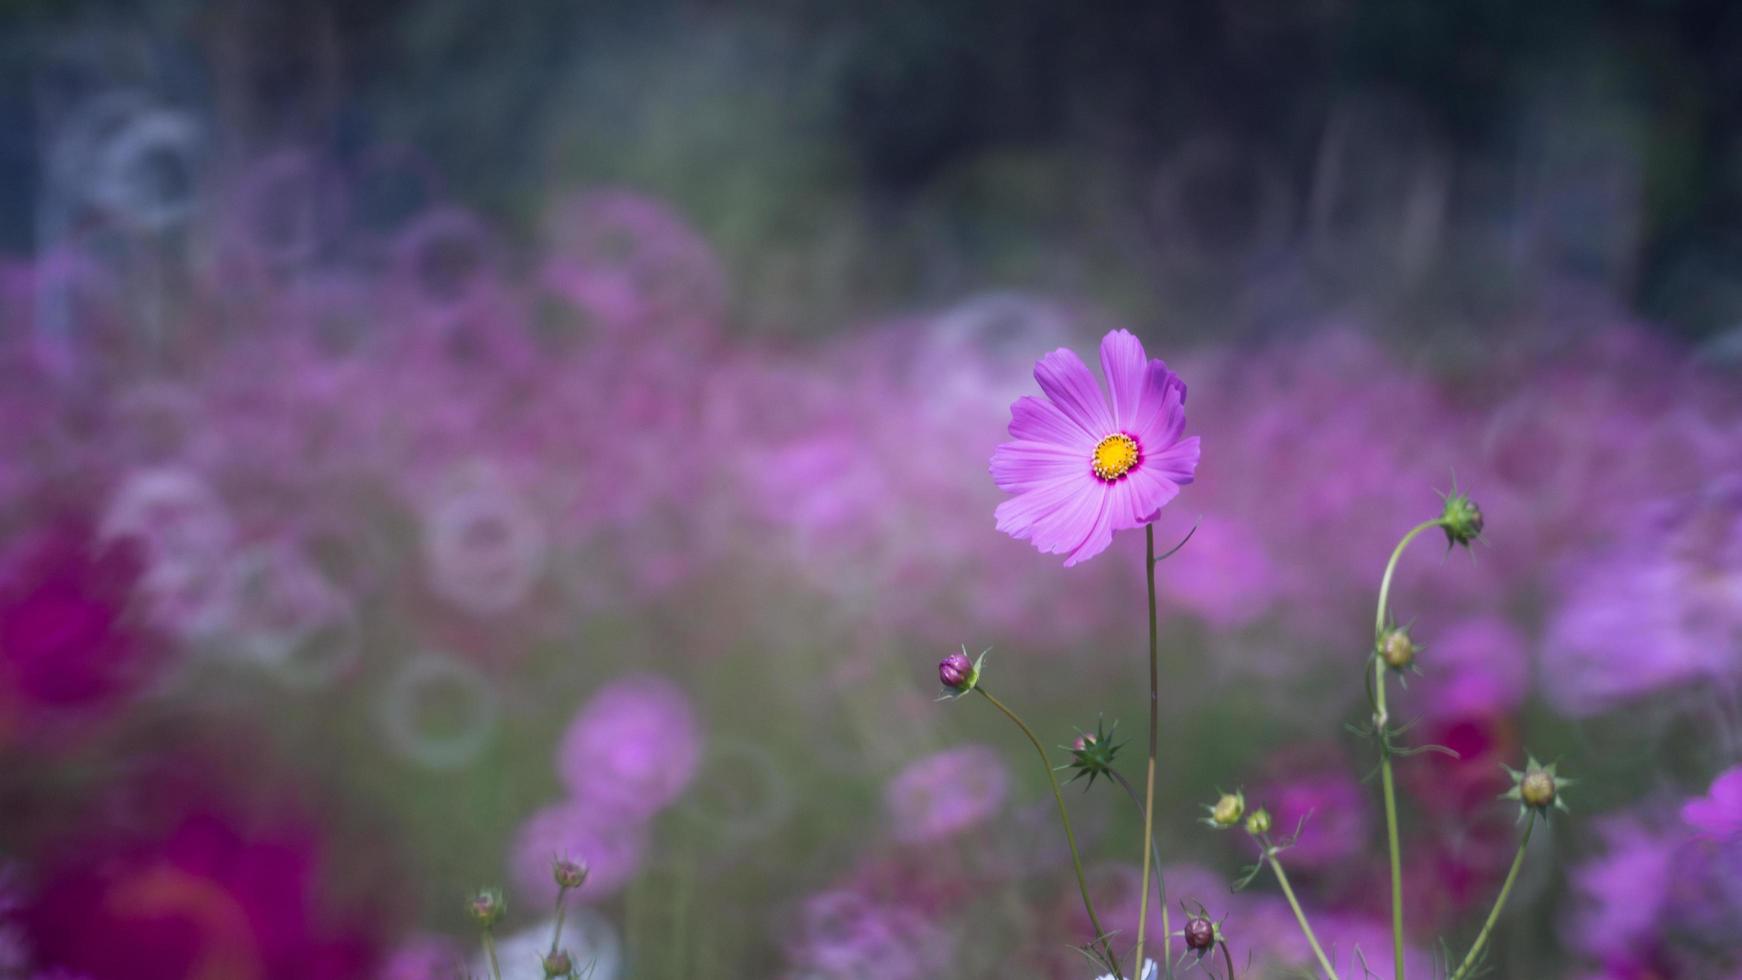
<point x="1397" y="649"/>
<point x="557" y="963"/>
<point x="1537" y="788"/>
<point x="1227" y="810"/>
<point x="1461" y="518"/>
<point x="1258" y="824"/>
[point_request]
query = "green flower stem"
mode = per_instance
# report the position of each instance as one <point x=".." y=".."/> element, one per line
<point x="1380" y="720"/>
<point x="562" y="908"/>
<point x="490" y="951"/>
<point x="1070" y="836"/>
<point x="1299" y="916"/>
<point x="1472" y="957"/>
<point x="1125" y="784"/>
<point x="1149" y="782"/>
<point x="1227" y="958"/>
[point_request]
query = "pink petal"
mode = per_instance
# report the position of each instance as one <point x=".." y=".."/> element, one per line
<point x="1149" y="490"/>
<point x="1041" y="421"/>
<point x="1066" y="380"/>
<point x="1021" y="515"/>
<point x="1026" y="465"/>
<point x="1178" y="462"/>
<point x="1067" y="527"/>
<point x="1123" y="364"/>
<point x="1099" y="536"/>
<point x="1161" y="416"/>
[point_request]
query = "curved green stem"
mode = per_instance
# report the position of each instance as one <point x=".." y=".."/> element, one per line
<point x="1380" y="720"/>
<point x="1299" y="916"/>
<point x="490" y="951"/>
<point x="1228" y="958"/>
<point x="1472" y="957"/>
<point x="1070" y="836"/>
<point x="1391" y="567"/>
<point x="1154" y="743"/>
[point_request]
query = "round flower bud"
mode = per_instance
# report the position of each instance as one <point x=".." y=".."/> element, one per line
<point x="1397" y="649"/>
<point x="958" y="674"/>
<point x="1200" y="933"/>
<point x="569" y="874"/>
<point x="1537" y="789"/>
<point x="558" y="963"/>
<point x="487" y="907"/>
<point x="1259" y="822"/>
<point x="954" y="670"/>
<point x="1461" y="518"/>
<point x="1227" y="810"/>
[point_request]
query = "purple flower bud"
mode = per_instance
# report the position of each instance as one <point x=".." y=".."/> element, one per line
<point x="955" y="671"/>
<point x="1200" y="933"/>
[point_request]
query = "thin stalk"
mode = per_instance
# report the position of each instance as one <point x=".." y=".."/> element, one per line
<point x="1125" y="784"/>
<point x="562" y="908"/>
<point x="490" y="951"/>
<point x="1380" y="720"/>
<point x="1154" y="744"/>
<point x="1299" y="916"/>
<point x="1471" y="958"/>
<point x="1070" y="836"/>
<point x="1227" y="958"/>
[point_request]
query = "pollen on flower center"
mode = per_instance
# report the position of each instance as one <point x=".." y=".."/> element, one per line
<point x="1115" y="456"/>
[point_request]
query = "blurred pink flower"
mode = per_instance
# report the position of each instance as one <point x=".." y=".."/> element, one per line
<point x="1718" y="814"/>
<point x="1663" y="609"/>
<point x="1479" y="666"/>
<point x="1084" y="465"/>
<point x="612" y="844"/>
<point x="633" y="747"/>
<point x="1332" y="810"/>
<point x="946" y="793"/>
<point x="1620" y="894"/>
<point x="842" y="933"/>
<point x="424" y="957"/>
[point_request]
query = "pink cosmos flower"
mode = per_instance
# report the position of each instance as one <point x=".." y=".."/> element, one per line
<point x="1084" y="465"/>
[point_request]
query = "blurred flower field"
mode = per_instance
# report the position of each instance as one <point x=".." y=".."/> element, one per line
<point x="367" y="540"/>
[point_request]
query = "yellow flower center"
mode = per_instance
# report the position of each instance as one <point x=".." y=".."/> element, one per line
<point x="1114" y="456"/>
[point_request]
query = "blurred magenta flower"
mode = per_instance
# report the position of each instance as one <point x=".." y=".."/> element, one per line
<point x="1331" y="809"/>
<point x="1083" y="464"/>
<point x="632" y="748"/>
<point x="1718" y="814"/>
<point x="213" y="897"/>
<point x="946" y="793"/>
<point x="1474" y="667"/>
<point x="71" y="639"/>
